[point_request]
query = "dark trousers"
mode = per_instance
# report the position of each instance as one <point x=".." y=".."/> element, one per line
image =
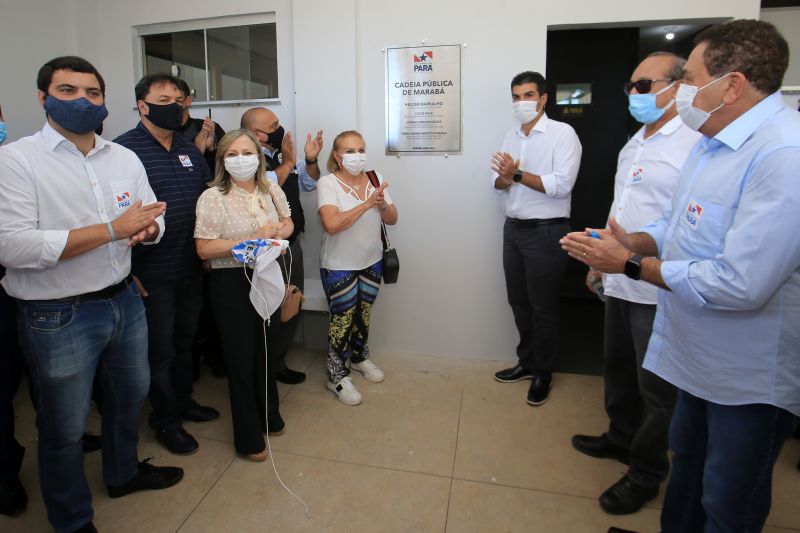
<point x="639" y="403"/>
<point x="11" y="452"/>
<point x="173" y="310"/>
<point x="534" y="265"/>
<point x="242" y="332"/>
<point x="721" y="477"/>
<point x="281" y="334"/>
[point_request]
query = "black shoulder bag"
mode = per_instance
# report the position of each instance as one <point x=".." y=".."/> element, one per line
<point x="391" y="263"/>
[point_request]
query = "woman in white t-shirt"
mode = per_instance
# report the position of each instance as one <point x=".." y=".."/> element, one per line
<point x="242" y="204"/>
<point x="351" y="210"/>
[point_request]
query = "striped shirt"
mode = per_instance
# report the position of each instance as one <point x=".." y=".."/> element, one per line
<point x="177" y="177"/>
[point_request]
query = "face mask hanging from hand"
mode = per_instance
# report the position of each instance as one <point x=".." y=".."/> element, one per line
<point x="78" y="116"/>
<point x="692" y="116"/>
<point x="643" y="108"/>
<point x="525" y="111"/>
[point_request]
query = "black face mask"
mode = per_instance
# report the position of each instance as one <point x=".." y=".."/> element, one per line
<point x="275" y="139"/>
<point x="166" y="116"/>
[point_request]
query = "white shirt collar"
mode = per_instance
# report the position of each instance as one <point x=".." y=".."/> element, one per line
<point x="541" y="125"/>
<point x="667" y="129"/>
<point x="53" y="139"/>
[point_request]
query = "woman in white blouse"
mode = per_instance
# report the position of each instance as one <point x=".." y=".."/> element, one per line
<point x="351" y="210"/>
<point x="242" y="204"/>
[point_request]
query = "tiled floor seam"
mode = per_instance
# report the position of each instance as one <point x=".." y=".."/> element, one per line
<point x="339" y="461"/>
<point x="453" y="469"/>
<point x="200" y="502"/>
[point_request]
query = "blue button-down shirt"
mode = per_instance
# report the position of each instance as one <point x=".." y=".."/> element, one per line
<point x="306" y="182"/>
<point x="729" y="329"/>
<point x="178" y="176"/>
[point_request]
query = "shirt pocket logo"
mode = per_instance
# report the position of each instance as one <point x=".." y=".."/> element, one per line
<point x="692" y="215"/>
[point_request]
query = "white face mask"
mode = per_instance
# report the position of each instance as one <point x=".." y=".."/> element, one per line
<point x="242" y="167"/>
<point x="692" y="116"/>
<point x="354" y="163"/>
<point x="525" y="110"/>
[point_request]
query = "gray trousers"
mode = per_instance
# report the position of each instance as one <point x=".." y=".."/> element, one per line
<point x="639" y="403"/>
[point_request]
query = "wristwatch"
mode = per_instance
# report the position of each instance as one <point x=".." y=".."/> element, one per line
<point x="517" y="176"/>
<point x="633" y="267"/>
<point x="310" y="161"/>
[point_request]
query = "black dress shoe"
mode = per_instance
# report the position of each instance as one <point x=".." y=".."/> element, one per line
<point x="539" y="391"/>
<point x="86" y="528"/>
<point x="148" y="477"/>
<point x="626" y="496"/>
<point x="13" y="498"/>
<point x="613" y="529"/>
<point x="512" y="375"/>
<point x="177" y="441"/>
<point x="91" y="443"/>
<point x="289" y="376"/>
<point x="600" y="447"/>
<point x="199" y="413"/>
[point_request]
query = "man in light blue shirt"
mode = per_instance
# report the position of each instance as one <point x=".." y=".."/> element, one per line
<point x="727" y="253"/>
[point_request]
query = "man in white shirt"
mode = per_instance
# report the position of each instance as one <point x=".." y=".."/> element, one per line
<point x="73" y="205"/>
<point x="639" y="403"/>
<point x="535" y="173"/>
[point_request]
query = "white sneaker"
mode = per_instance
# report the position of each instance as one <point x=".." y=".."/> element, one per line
<point x="368" y="369"/>
<point x="345" y="390"/>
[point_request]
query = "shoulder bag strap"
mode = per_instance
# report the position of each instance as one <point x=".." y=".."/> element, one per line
<point x="373" y="178"/>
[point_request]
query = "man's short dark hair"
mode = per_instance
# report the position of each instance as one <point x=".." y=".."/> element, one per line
<point x="143" y="87"/>
<point x="530" y="77"/>
<point x="183" y="87"/>
<point x="752" y="47"/>
<point x="676" y="71"/>
<point x="73" y="63"/>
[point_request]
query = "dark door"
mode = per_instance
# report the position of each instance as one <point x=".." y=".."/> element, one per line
<point x="605" y="59"/>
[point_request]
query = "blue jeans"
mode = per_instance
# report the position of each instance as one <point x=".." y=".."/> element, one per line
<point x="722" y="468"/>
<point x="64" y="342"/>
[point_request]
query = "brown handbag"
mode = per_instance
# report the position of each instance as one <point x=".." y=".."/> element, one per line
<point x="291" y="303"/>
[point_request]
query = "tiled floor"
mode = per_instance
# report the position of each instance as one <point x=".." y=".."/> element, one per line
<point x="439" y="446"/>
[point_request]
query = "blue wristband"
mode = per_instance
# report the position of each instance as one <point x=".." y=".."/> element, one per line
<point x="111" y="232"/>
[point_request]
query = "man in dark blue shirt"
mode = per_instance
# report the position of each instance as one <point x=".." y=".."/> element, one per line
<point x="169" y="273"/>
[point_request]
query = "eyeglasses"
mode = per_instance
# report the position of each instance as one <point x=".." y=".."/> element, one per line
<point x="643" y="86"/>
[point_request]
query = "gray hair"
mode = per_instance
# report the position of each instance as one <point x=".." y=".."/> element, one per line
<point x="676" y="73"/>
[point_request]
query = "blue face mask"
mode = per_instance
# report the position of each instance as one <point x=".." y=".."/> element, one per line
<point x="643" y="107"/>
<point x="3" y="132"/>
<point x="78" y="116"/>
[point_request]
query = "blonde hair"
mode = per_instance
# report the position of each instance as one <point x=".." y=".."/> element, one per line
<point x="222" y="180"/>
<point x="333" y="164"/>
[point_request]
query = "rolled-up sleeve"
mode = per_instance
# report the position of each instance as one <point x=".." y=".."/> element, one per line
<point x="566" y="162"/>
<point x="761" y="248"/>
<point x="22" y="243"/>
<point x="657" y="229"/>
<point x="307" y="183"/>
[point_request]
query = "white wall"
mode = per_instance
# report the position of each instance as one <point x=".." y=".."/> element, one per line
<point x="787" y="20"/>
<point x="31" y="33"/>
<point x="451" y="296"/>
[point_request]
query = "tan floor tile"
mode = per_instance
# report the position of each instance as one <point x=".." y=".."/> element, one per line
<point x="785" y="511"/>
<point x="400" y="424"/>
<point x="343" y="498"/>
<point x="502" y="439"/>
<point x="480" y="507"/>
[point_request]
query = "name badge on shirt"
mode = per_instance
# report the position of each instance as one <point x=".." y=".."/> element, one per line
<point x="693" y="213"/>
<point x="185" y="161"/>
<point x="637" y="175"/>
<point x="122" y="200"/>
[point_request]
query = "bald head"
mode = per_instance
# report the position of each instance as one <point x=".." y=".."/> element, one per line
<point x="260" y="121"/>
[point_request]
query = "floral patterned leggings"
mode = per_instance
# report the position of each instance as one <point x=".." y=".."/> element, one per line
<point x="350" y="294"/>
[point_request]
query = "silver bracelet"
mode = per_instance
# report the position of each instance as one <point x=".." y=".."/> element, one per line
<point x="111" y="232"/>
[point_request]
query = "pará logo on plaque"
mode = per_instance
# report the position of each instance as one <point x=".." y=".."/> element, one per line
<point x="423" y="62"/>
